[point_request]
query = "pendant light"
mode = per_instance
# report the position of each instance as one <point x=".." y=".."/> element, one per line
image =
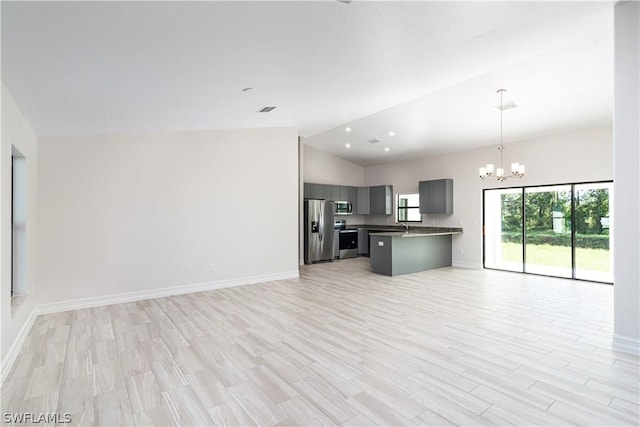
<point x="517" y="170"/>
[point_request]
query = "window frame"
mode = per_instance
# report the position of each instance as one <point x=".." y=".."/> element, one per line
<point x="406" y="209"/>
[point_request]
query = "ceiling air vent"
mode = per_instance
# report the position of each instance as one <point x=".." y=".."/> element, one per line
<point x="266" y="109"/>
<point x="374" y="140"/>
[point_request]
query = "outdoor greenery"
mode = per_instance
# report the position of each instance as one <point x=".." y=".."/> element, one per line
<point x="595" y="241"/>
<point x="548" y="218"/>
<point x="557" y="256"/>
<point x="591" y="206"/>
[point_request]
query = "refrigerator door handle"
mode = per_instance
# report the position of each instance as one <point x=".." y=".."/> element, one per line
<point x="321" y="225"/>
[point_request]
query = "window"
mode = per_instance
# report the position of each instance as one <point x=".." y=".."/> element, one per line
<point x="408" y="208"/>
<point x="554" y="230"/>
<point x="18" y="223"/>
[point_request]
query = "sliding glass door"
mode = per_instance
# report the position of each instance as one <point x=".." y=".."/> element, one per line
<point x="503" y="229"/>
<point x="548" y="230"/>
<point x="555" y="230"/>
<point x="593" y="245"/>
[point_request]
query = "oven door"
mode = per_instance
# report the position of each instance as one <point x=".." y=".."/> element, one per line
<point x="348" y="243"/>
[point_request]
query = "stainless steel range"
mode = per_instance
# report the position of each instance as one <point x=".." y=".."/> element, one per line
<point x="347" y="239"/>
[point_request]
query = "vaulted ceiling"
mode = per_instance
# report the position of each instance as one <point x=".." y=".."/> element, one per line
<point x="427" y="71"/>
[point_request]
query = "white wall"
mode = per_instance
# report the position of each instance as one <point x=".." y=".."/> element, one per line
<point x="584" y="155"/>
<point x="128" y="213"/>
<point x="627" y="177"/>
<point x="325" y="168"/>
<point x="16" y="131"/>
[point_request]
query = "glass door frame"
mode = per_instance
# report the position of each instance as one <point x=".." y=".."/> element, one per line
<point x="524" y="234"/>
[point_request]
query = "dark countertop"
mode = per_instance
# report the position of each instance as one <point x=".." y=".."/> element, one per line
<point x="412" y="229"/>
<point x="413" y="233"/>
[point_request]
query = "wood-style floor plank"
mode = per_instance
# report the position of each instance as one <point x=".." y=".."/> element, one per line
<point x="338" y="346"/>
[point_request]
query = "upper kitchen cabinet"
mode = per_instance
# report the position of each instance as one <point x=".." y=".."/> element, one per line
<point x="330" y="192"/>
<point x="352" y="196"/>
<point x="327" y="191"/>
<point x="363" y="206"/>
<point x="436" y="196"/>
<point x="381" y="200"/>
<point x="341" y="193"/>
<point x="317" y="191"/>
<point x="308" y="191"/>
<point x="336" y="192"/>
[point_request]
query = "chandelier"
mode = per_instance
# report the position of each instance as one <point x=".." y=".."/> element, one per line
<point x="517" y="170"/>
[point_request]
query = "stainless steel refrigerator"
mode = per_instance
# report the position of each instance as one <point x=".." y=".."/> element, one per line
<point x="318" y="230"/>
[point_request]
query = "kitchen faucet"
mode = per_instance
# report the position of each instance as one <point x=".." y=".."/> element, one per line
<point x="406" y="225"/>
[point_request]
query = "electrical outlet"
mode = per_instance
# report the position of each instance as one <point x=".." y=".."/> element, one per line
<point x="380" y="243"/>
<point x="188" y="269"/>
<point x="212" y="267"/>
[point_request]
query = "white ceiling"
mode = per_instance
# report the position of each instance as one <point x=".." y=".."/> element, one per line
<point x="426" y="70"/>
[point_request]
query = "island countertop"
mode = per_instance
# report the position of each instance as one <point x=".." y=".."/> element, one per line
<point x="404" y="234"/>
<point x="417" y="229"/>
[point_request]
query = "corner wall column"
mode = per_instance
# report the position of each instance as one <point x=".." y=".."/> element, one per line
<point x="626" y="134"/>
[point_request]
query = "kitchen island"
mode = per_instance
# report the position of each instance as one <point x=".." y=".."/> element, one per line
<point x="397" y="252"/>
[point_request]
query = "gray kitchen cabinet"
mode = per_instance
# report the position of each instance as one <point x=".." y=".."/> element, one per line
<point x="344" y="193"/>
<point x="436" y="196"/>
<point x="362" y="201"/>
<point x="313" y="191"/>
<point x="340" y="192"/>
<point x="358" y="196"/>
<point x="363" y="241"/>
<point x="336" y="244"/>
<point x="336" y="192"/>
<point x="381" y="200"/>
<point x="319" y="191"/>
<point x="352" y="196"/>
<point x="326" y="192"/>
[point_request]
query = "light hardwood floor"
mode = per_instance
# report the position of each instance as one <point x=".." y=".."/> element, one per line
<point x="340" y="345"/>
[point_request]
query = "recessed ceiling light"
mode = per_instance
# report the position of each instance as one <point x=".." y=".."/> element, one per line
<point x="392" y="133"/>
<point x="348" y="129"/>
<point x="266" y="109"/>
<point x="386" y="148"/>
<point x="247" y="89"/>
<point x="347" y="145"/>
<point x="374" y="140"/>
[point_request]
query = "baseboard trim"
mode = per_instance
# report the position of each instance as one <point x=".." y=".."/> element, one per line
<point x="7" y="363"/>
<point x="80" y="303"/>
<point x="12" y="354"/>
<point x="626" y="344"/>
<point x="466" y="264"/>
